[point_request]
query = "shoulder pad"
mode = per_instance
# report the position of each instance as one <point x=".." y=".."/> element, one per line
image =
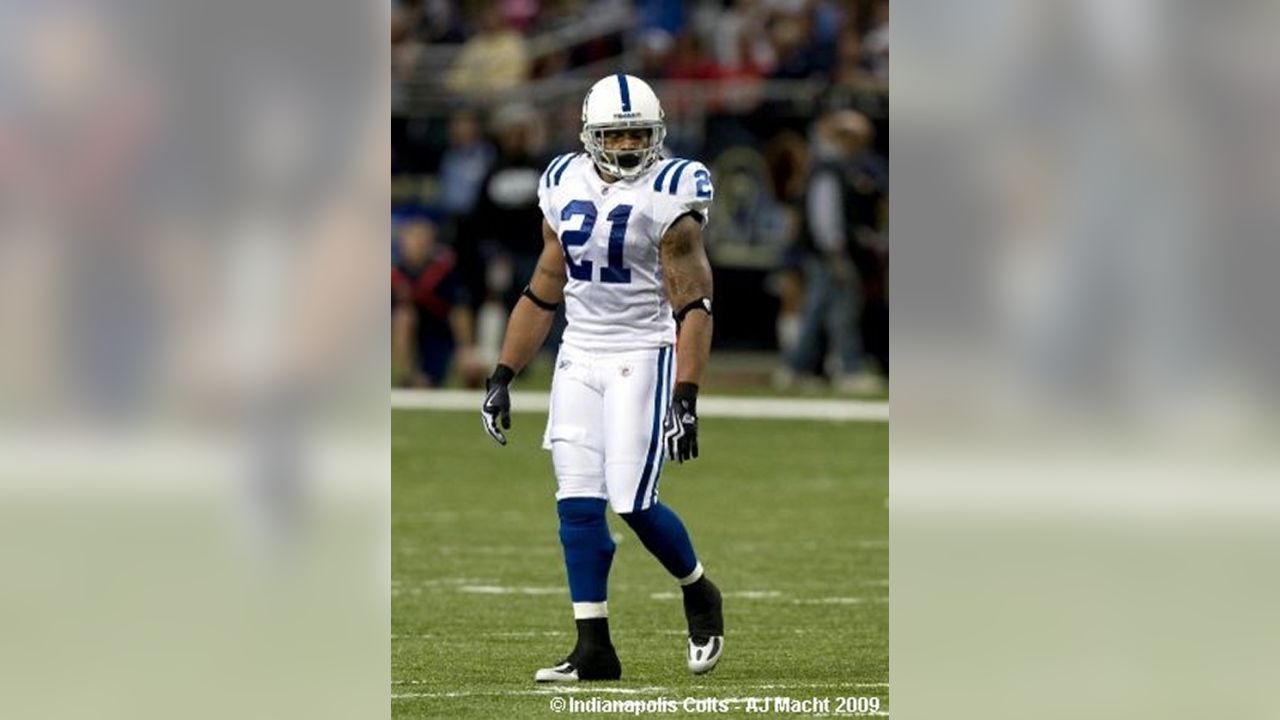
<point x="680" y="177"/>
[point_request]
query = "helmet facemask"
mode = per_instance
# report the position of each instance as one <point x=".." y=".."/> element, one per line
<point x="624" y="163"/>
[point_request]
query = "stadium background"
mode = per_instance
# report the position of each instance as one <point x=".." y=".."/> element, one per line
<point x="481" y="85"/>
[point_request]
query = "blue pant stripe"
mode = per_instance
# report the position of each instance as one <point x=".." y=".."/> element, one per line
<point x="662" y="455"/>
<point x="654" y="432"/>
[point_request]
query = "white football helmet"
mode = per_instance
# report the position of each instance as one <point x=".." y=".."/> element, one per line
<point x="615" y="103"/>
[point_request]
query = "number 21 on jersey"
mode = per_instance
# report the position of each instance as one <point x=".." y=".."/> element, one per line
<point x="615" y="271"/>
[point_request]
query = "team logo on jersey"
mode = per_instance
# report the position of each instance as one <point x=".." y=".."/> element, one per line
<point x="626" y="370"/>
<point x="564" y="364"/>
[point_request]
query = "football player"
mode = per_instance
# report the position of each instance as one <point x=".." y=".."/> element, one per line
<point x="622" y="234"/>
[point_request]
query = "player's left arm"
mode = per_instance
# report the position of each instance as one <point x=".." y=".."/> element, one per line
<point x="687" y="273"/>
<point x="688" y="277"/>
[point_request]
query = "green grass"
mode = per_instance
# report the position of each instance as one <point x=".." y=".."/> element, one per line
<point x="790" y="519"/>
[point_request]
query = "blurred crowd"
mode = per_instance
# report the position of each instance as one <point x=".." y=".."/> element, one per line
<point x="786" y="101"/>
<point x="699" y="40"/>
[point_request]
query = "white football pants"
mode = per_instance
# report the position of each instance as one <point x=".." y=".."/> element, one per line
<point x="604" y="430"/>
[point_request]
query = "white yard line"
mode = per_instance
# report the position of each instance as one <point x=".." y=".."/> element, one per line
<point x="708" y="405"/>
<point x="578" y="689"/>
<point x="504" y="590"/>
<point x="838" y="601"/>
<point x="557" y="690"/>
<point x="741" y="594"/>
<point x="523" y="634"/>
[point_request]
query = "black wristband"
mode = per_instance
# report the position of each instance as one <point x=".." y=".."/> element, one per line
<point x="528" y="292"/>
<point x="686" y="392"/>
<point x="502" y="375"/>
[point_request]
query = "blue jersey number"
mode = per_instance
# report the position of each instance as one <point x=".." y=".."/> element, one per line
<point x="615" y="271"/>
<point x="704" y="183"/>
<point x="574" y="238"/>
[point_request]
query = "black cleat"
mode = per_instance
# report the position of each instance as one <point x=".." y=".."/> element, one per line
<point x="592" y="664"/>
<point x="593" y="658"/>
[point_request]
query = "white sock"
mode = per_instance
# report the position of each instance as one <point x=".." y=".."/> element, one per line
<point x="588" y="610"/>
<point x="692" y="577"/>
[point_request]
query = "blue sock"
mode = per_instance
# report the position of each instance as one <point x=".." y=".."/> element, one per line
<point x="662" y="533"/>
<point x="588" y="548"/>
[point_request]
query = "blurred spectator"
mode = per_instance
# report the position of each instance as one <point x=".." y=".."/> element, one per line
<point x="556" y="14"/>
<point x="495" y="58"/>
<point x="738" y="37"/>
<point x="427" y="310"/>
<point x="425" y="21"/>
<point x="406" y="43"/>
<point x="690" y="60"/>
<point x="794" y="46"/>
<point x="506" y="217"/>
<point x="552" y="64"/>
<point x="787" y="158"/>
<point x="668" y="15"/>
<point x="854" y="88"/>
<point x="464" y="164"/>
<point x="846" y="191"/>
<point x="824" y="22"/>
<point x="656" y="48"/>
<point x="827" y="21"/>
<point x="405" y="17"/>
<point x="876" y="44"/>
<point x="500" y="239"/>
<point x="519" y="14"/>
<point x="849" y="68"/>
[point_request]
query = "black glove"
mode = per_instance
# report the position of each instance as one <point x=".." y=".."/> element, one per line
<point x="680" y="429"/>
<point x="497" y="403"/>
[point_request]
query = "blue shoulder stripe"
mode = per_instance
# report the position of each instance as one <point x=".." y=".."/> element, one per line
<point x="556" y="171"/>
<point x="657" y="184"/>
<point x="566" y="164"/>
<point x="546" y="174"/>
<point x="675" y="177"/>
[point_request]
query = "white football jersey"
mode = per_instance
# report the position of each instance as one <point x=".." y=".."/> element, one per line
<point x="615" y="298"/>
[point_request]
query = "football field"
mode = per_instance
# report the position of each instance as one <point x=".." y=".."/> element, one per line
<point x="789" y="517"/>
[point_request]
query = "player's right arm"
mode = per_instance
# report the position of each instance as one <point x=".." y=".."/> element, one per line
<point x="526" y="331"/>
<point x="531" y="319"/>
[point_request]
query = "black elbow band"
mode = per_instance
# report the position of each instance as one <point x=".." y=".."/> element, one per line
<point x="702" y="303"/>
<point x="528" y="292"/>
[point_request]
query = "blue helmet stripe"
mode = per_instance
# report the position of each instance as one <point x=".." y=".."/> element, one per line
<point x="675" y="178"/>
<point x="657" y="184"/>
<point x="626" y="92"/>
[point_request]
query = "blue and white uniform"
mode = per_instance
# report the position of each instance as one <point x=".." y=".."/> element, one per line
<point x="616" y="366"/>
